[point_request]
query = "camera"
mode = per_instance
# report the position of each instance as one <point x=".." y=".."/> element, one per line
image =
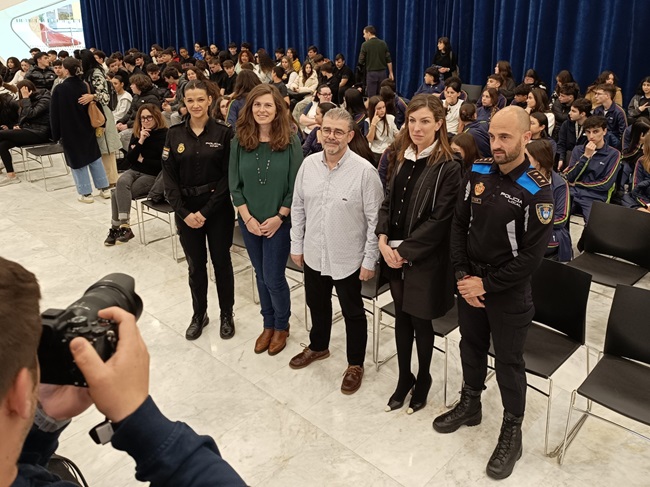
<point x="61" y="326"/>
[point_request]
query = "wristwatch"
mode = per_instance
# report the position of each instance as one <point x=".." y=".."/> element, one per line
<point x="281" y="216"/>
<point x="460" y="275"/>
<point x="46" y="423"/>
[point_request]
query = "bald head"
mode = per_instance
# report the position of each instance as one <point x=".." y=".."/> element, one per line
<point x="509" y="134"/>
<point x="514" y="116"/>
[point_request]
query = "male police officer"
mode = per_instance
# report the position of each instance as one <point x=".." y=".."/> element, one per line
<point x="510" y="207"/>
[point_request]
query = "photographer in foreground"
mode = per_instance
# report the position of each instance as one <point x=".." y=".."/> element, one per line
<point x="32" y="416"/>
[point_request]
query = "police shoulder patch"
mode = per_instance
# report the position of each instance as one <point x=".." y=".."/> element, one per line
<point x="222" y="122"/>
<point x="544" y="212"/>
<point x="484" y="160"/>
<point x="165" y="153"/>
<point x="539" y="179"/>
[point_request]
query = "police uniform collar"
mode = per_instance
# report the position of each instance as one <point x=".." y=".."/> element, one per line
<point x="519" y="170"/>
<point x="206" y="129"/>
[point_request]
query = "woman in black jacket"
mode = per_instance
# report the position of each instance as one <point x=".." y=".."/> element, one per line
<point x="445" y="59"/>
<point x="144" y="91"/>
<point x="71" y="126"/>
<point x="8" y="111"/>
<point x="33" y="126"/>
<point x="144" y="156"/>
<point x="413" y="228"/>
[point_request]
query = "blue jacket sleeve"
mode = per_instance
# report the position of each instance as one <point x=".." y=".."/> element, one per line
<point x="170" y="453"/>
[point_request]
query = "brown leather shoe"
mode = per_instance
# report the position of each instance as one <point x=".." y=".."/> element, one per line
<point x="352" y="379"/>
<point x="306" y="357"/>
<point x="263" y="341"/>
<point x="279" y="341"/>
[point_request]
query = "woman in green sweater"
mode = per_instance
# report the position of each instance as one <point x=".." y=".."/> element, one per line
<point x="264" y="160"/>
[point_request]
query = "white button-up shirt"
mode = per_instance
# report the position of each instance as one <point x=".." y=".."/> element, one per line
<point x="334" y="214"/>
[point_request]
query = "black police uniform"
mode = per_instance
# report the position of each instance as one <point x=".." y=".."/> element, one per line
<point x="195" y="172"/>
<point x="500" y="231"/>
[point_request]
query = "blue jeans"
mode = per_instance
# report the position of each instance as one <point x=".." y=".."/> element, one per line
<point x="269" y="258"/>
<point x="82" y="178"/>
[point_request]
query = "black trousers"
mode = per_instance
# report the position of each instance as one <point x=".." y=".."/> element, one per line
<point x="13" y="138"/>
<point x="318" y="291"/>
<point x="507" y="316"/>
<point x="218" y="229"/>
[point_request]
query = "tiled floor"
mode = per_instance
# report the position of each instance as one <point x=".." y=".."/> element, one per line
<point x="277" y="426"/>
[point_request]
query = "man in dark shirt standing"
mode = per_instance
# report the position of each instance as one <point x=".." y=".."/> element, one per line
<point x="344" y="74"/>
<point x="375" y="58"/>
<point x="510" y="207"/>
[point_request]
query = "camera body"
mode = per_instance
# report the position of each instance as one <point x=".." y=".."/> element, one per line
<point x="61" y="326"/>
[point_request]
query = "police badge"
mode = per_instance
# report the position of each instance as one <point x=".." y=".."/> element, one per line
<point x="544" y="212"/>
<point x="181" y="148"/>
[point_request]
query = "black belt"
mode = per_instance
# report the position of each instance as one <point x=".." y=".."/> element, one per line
<point x="481" y="270"/>
<point x="198" y="190"/>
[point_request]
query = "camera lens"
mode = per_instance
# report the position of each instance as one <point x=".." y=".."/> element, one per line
<point x="113" y="290"/>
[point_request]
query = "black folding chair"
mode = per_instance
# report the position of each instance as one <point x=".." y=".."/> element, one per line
<point x="621" y="379"/>
<point x="473" y="92"/>
<point x="620" y="233"/>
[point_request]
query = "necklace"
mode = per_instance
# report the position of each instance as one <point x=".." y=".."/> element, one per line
<point x="259" y="170"/>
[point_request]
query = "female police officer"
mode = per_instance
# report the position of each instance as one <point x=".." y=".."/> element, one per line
<point x="195" y="171"/>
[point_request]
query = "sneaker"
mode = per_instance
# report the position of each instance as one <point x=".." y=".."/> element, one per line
<point x="86" y="198"/>
<point x="6" y="181"/>
<point x="125" y="234"/>
<point x="113" y="233"/>
<point x="105" y="193"/>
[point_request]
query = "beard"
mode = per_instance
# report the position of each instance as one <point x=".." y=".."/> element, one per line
<point x="506" y="157"/>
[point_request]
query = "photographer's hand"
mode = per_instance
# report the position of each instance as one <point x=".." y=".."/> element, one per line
<point x="119" y="386"/>
<point x="63" y="402"/>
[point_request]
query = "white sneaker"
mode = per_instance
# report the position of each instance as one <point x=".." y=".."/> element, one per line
<point x="6" y="181"/>
<point x="86" y="199"/>
<point x="105" y="193"/>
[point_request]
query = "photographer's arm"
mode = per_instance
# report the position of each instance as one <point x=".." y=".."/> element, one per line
<point x="166" y="452"/>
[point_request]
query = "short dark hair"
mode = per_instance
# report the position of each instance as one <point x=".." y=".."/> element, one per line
<point x="152" y="68"/>
<point x="228" y="64"/>
<point x="522" y="89"/>
<point x="454" y="83"/>
<point x="496" y="77"/>
<point x="142" y="81"/>
<point x="432" y="71"/>
<point x="168" y="51"/>
<point x="279" y="50"/>
<point x="20" y="323"/>
<point x="129" y="59"/>
<point x="117" y="55"/>
<point x="34" y="49"/>
<point x="595" y="122"/>
<point x="170" y="72"/>
<point x="279" y="72"/>
<point x="370" y="29"/>
<point x="63" y="54"/>
<point x="138" y="55"/>
<point x="57" y="62"/>
<point x="312" y="48"/>
<point x="232" y="44"/>
<point x="39" y="55"/>
<point x="100" y="54"/>
<point x="327" y="68"/>
<point x="607" y="88"/>
<point x="318" y="58"/>
<point x="570" y="88"/>
<point x="339" y="56"/>
<point x="247" y="45"/>
<point x="582" y="105"/>
<point x="111" y="60"/>
<point x="52" y="51"/>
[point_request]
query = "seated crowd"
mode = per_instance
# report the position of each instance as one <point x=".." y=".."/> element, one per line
<point x="334" y="181"/>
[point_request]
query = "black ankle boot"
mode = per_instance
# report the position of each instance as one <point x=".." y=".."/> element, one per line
<point x="396" y="401"/>
<point x="508" y="449"/>
<point x="466" y="412"/>
<point x="420" y="393"/>
<point x="196" y="326"/>
<point x="227" y="329"/>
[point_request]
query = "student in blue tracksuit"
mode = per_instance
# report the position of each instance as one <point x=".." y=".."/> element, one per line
<point x="639" y="196"/>
<point x="592" y="170"/>
<point x="433" y="84"/>
<point x="540" y="153"/>
<point x="616" y="120"/>
<point x="476" y="128"/>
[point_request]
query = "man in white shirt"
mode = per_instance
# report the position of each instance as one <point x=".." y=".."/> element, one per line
<point x="336" y="200"/>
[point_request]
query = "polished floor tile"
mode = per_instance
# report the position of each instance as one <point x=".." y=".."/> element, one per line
<point x="284" y="427"/>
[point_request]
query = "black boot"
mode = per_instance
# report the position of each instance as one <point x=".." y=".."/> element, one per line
<point x="196" y="326"/>
<point x="467" y="412"/>
<point x="227" y="329"/>
<point x="508" y="449"/>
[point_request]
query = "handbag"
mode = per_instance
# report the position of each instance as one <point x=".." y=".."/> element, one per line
<point x="97" y="118"/>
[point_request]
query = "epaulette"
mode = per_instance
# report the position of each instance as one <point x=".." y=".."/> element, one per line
<point x="483" y="165"/>
<point x="223" y="122"/>
<point x="484" y="160"/>
<point x="539" y="179"/>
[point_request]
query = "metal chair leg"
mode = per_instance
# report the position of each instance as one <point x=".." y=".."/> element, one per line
<point x="548" y="416"/>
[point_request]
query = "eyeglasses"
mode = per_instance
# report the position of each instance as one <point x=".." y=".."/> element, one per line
<point x="338" y="133"/>
<point x="325" y="94"/>
<point x="146" y="118"/>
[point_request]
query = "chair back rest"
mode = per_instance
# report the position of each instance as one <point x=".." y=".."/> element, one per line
<point x="473" y="92"/>
<point x="628" y="326"/>
<point x="560" y="295"/>
<point x="620" y="232"/>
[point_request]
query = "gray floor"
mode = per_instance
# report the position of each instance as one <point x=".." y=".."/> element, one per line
<point x="277" y="426"/>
